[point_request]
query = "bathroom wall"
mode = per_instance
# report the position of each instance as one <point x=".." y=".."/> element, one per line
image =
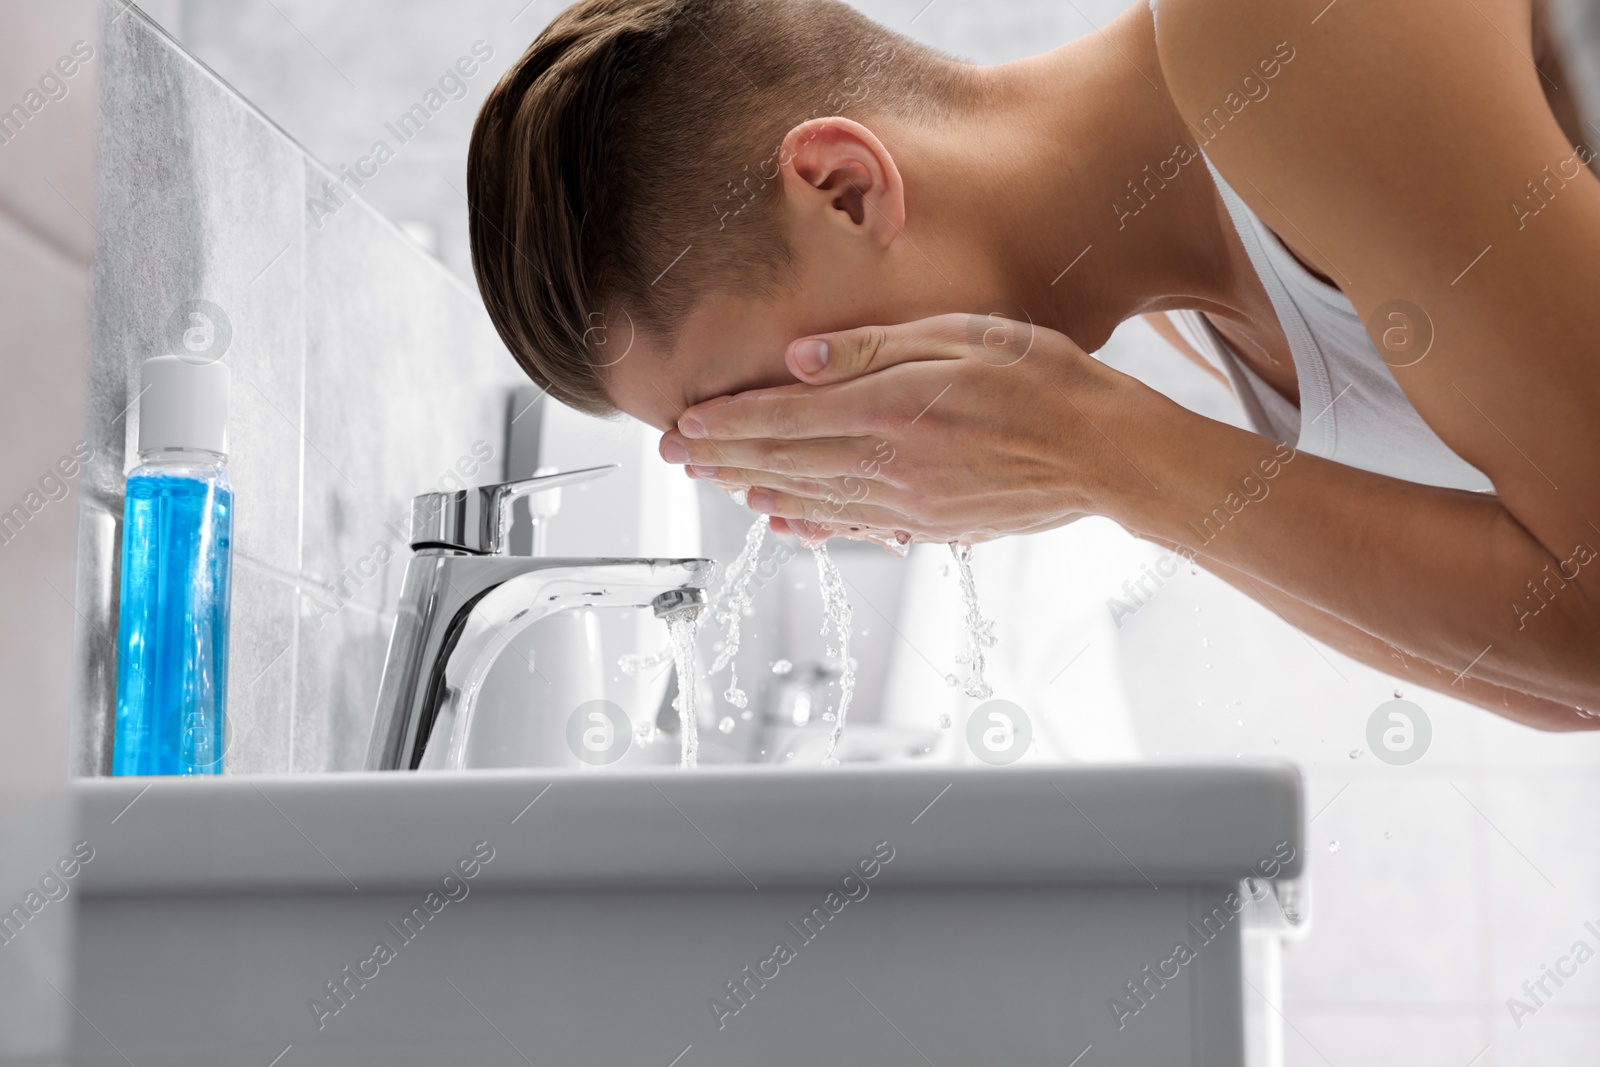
<point x="364" y="372"/>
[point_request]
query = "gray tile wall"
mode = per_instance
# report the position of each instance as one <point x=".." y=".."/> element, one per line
<point x="316" y="68"/>
<point x="363" y="371"/>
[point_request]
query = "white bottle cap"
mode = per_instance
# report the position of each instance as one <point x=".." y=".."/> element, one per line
<point x="183" y="404"/>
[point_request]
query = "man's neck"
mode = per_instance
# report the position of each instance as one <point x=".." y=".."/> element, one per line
<point x="1084" y="213"/>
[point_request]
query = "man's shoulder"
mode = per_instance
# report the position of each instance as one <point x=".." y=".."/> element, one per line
<point x="1343" y="51"/>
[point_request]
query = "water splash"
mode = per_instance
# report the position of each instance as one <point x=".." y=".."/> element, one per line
<point x="979" y="630"/>
<point x="888" y="541"/>
<point x="837" y="616"/>
<point x="730" y="604"/>
<point x="634" y="662"/>
<point x="682" y="625"/>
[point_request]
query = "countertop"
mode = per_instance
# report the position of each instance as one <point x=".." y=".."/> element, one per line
<point x="719" y="826"/>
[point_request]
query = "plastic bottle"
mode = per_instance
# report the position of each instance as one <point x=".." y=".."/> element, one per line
<point x="177" y="563"/>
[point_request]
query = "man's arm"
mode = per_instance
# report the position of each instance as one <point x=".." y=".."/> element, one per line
<point x="1380" y="655"/>
<point x="1409" y="154"/>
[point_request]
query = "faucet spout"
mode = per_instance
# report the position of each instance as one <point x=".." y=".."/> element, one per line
<point x="459" y="610"/>
<point x="673" y="601"/>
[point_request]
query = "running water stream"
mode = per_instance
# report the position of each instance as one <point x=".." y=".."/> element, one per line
<point x="979" y="631"/>
<point x="682" y="626"/>
<point x="729" y="605"/>
<point x="836" y="615"/>
<point x="732" y="600"/>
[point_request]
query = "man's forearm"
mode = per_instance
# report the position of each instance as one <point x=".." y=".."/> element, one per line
<point x="1374" y="652"/>
<point x="1441" y="574"/>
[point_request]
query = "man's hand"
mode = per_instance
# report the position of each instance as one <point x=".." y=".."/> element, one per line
<point x="954" y="428"/>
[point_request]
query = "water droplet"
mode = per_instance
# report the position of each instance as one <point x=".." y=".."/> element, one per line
<point x="782" y="666"/>
<point x="1387" y="836"/>
<point x="1208" y="666"/>
<point x="944" y="721"/>
<point x="1205" y="642"/>
<point x="726" y="724"/>
<point x="747" y="715"/>
<point x="831" y="652"/>
<point x="828" y="716"/>
<point x="951" y="680"/>
<point x="737" y="697"/>
<point x="1355" y="753"/>
<point x="1241" y="722"/>
<point x="1398" y="694"/>
<point x="1334" y="846"/>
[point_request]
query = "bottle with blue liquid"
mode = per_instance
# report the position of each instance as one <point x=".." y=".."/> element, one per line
<point x="177" y="561"/>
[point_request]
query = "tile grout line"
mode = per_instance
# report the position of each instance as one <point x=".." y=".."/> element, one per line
<point x="1488" y="1012"/>
<point x="300" y="486"/>
<point x="1483" y="904"/>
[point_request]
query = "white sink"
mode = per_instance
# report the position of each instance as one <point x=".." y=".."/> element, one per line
<point x="618" y="905"/>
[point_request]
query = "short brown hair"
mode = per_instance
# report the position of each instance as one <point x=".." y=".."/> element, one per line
<point x="632" y="132"/>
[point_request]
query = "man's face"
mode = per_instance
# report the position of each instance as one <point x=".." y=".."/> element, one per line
<point x="730" y="344"/>
<point x="726" y="345"/>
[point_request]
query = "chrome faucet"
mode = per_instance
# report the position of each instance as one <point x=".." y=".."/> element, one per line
<point x="465" y="598"/>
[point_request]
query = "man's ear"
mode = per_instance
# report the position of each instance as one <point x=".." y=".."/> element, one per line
<point x="838" y="171"/>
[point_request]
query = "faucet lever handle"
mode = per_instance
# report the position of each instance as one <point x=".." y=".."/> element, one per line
<point x="510" y="492"/>
<point x="478" y="520"/>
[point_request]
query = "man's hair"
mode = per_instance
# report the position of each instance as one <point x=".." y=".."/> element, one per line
<point x="629" y="161"/>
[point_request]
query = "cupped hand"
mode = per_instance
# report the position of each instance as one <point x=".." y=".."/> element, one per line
<point x="953" y="428"/>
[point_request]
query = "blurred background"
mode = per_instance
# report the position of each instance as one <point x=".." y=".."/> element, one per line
<point x="1439" y="887"/>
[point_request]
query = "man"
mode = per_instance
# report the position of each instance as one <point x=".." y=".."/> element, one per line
<point x="860" y="279"/>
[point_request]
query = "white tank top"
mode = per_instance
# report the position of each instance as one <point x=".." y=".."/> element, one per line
<point x="1351" y="409"/>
